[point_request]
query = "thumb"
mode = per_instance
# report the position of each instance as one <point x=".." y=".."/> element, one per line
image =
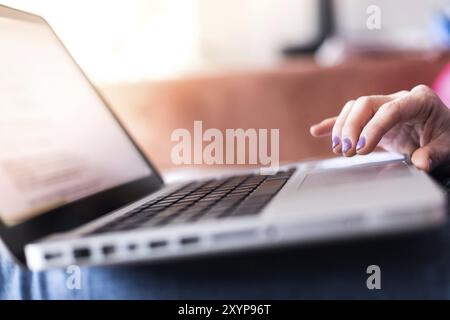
<point x="430" y="156"/>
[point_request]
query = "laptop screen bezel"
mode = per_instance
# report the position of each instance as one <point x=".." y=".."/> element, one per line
<point x="84" y="210"/>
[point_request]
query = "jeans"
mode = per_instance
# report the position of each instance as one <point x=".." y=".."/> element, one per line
<point x="412" y="266"/>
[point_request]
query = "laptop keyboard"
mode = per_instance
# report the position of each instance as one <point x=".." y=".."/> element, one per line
<point x="212" y="199"/>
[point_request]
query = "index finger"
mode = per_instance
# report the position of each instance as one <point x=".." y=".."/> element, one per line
<point x="323" y="128"/>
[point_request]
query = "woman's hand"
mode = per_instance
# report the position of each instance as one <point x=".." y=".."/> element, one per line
<point x="413" y="122"/>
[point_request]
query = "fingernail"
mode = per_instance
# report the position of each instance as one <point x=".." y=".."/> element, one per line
<point x="346" y="145"/>
<point x="361" y="143"/>
<point x="336" y="142"/>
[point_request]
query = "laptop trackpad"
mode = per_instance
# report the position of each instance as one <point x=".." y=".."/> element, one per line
<point x="330" y="178"/>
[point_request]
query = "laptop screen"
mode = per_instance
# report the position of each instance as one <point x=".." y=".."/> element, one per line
<point x="58" y="141"/>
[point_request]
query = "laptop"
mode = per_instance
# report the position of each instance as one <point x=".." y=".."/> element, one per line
<point x="76" y="189"/>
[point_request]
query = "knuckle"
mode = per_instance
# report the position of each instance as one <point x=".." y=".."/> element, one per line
<point x="401" y="93"/>
<point x="394" y="112"/>
<point x="384" y="108"/>
<point x="348" y="105"/>
<point x="343" y="114"/>
<point x="363" y="101"/>
<point x="421" y="89"/>
<point x="425" y="97"/>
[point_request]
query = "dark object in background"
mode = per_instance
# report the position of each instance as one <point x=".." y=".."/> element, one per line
<point x="326" y="21"/>
<point x="442" y="176"/>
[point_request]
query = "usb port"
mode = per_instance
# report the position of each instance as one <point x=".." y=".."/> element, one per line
<point x="81" y="253"/>
<point x="189" y="240"/>
<point x="157" y="244"/>
<point x="52" y="256"/>
<point x="108" y="250"/>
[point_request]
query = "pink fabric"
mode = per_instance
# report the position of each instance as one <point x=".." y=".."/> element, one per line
<point x="442" y="85"/>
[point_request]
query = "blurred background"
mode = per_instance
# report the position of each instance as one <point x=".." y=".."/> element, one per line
<point x="247" y="63"/>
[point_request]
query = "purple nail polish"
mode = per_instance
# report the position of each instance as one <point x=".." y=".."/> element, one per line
<point x="336" y="142"/>
<point x="361" y="143"/>
<point x="346" y="145"/>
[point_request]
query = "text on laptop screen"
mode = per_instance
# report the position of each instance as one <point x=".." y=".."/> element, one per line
<point x="58" y="141"/>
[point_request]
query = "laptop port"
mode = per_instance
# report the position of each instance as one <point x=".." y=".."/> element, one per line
<point x="157" y="244"/>
<point x="239" y="235"/>
<point x="52" y="255"/>
<point x="108" y="250"/>
<point x="189" y="240"/>
<point x="132" y="247"/>
<point x="82" y="253"/>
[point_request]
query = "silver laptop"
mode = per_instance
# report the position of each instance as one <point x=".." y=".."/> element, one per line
<point x="75" y="188"/>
